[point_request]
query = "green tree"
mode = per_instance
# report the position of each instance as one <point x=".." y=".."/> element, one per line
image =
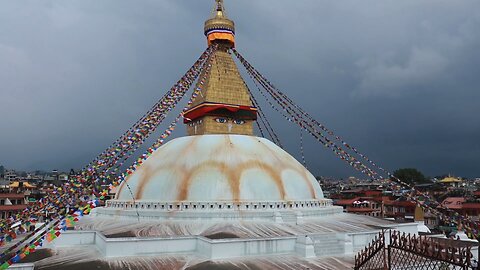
<point x="411" y="176"/>
<point x="2" y="171"/>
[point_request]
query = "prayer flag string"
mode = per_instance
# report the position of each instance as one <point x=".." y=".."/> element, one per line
<point x="294" y="113"/>
<point x="73" y="195"/>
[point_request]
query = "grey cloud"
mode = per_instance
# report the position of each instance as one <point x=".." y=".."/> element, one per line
<point x="398" y="79"/>
<point x="381" y="78"/>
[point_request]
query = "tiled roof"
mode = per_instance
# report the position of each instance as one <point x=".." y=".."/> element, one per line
<point x="471" y="206"/>
<point x="12" y="195"/>
<point x="359" y="209"/>
<point x="346" y="201"/>
<point x="400" y="203"/>
<point x="12" y="207"/>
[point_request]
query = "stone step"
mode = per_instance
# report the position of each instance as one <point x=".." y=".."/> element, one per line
<point x="328" y="245"/>
<point x="329" y="253"/>
<point x="331" y="245"/>
<point x="334" y="238"/>
<point x="320" y="251"/>
<point x="329" y="248"/>
<point x="321" y="239"/>
<point x="289" y="217"/>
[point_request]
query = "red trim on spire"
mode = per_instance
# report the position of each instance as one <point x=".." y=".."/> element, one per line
<point x="206" y="108"/>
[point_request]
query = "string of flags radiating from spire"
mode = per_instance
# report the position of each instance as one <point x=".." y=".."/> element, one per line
<point x="128" y="143"/>
<point x="160" y="141"/>
<point x="293" y="113"/>
<point x="89" y="169"/>
<point x="302" y="150"/>
<point x="57" y="206"/>
<point x="291" y="117"/>
<point x="264" y="120"/>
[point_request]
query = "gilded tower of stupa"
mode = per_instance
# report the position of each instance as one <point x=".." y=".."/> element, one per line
<point x="224" y="105"/>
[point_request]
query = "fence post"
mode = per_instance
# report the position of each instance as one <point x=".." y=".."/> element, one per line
<point x="389" y="261"/>
<point x="384" y="252"/>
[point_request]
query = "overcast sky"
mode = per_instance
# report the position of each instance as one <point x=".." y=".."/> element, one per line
<point x="397" y="79"/>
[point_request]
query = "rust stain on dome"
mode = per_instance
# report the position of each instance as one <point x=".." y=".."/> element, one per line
<point x="146" y="176"/>
<point x="276" y="177"/>
<point x="181" y="161"/>
<point x="309" y="184"/>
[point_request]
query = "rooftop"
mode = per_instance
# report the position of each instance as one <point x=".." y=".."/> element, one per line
<point x="450" y="180"/>
<point x="12" y="195"/>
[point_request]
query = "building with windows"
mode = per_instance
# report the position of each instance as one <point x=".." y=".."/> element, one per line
<point x="11" y="204"/>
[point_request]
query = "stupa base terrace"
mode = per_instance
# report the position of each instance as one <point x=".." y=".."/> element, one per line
<point x="274" y="211"/>
<point x="266" y="239"/>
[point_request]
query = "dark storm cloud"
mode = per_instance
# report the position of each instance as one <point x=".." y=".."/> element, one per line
<point x="398" y="79"/>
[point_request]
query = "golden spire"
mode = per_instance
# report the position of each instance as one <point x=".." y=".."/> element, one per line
<point x="219" y="10"/>
<point x="224" y="105"/>
<point x="219" y="27"/>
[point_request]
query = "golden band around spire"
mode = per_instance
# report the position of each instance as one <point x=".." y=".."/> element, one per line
<point x="219" y="27"/>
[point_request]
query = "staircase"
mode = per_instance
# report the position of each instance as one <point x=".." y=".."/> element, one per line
<point x="328" y="245"/>
<point x="289" y="217"/>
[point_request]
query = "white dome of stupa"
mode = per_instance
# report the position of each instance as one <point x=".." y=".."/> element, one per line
<point x="220" y="168"/>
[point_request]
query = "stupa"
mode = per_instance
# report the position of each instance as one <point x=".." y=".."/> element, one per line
<point x="218" y="197"/>
<point x="220" y="165"/>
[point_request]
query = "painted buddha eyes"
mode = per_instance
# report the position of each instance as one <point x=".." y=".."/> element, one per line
<point x="223" y="120"/>
<point x="196" y="123"/>
<point x="239" y="122"/>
